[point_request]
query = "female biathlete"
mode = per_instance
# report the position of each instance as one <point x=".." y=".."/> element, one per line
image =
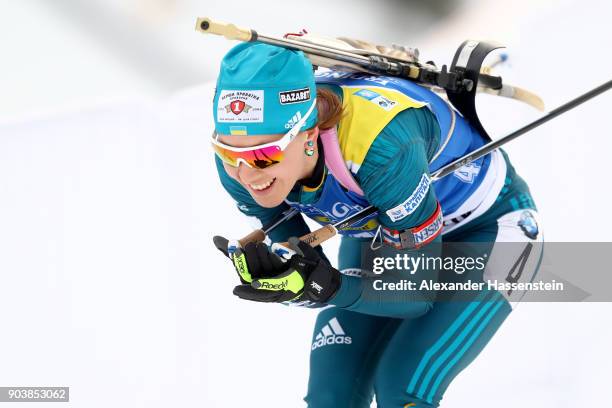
<point x="332" y="144"/>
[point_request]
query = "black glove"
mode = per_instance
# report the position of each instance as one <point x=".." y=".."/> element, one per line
<point x="306" y="277"/>
<point x="254" y="261"/>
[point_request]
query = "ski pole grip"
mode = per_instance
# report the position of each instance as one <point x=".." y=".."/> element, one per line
<point x="317" y="237"/>
<point x="230" y="31"/>
<point x="255" y="236"/>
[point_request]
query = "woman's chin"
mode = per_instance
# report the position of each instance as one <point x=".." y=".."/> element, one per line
<point x="269" y="202"/>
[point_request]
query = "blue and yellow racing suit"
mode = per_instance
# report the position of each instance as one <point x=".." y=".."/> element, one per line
<point x="402" y="346"/>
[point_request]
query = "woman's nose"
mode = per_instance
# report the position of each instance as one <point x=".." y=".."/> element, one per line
<point x="244" y="171"/>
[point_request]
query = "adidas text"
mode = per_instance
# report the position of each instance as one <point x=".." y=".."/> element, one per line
<point x="325" y="341"/>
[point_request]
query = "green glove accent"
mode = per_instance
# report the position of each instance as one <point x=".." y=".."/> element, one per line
<point x="290" y="281"/>
<point x="253" y="261"/>
<point x="242" y="267"/>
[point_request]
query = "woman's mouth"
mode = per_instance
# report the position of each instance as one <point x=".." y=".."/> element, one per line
<point x="262" y="186"/>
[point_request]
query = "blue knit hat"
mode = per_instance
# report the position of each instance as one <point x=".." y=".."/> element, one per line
<point x="263" y="89"/>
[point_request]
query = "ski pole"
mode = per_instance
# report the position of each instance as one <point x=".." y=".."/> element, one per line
<point x="259" y="235"/>
<point x="324" y="233"/>
<point x="313" y="238"/>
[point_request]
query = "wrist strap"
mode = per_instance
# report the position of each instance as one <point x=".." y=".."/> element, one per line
<point x="415" y="237"/>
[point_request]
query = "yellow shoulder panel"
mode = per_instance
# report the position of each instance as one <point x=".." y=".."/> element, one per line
<point x="367" y="110"/>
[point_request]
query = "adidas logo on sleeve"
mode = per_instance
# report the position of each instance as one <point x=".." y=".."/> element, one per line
<point x="331" y="333"/>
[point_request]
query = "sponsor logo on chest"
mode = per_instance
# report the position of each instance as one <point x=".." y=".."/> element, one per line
<point x="334" y="213"/>
<point x="377" y="99"/>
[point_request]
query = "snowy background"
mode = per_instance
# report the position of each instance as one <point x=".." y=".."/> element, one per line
<point x="109" y="282"/>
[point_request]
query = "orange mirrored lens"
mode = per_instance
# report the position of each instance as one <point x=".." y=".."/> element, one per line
<point x="259" y="157"/>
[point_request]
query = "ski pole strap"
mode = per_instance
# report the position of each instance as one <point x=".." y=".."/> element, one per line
<point x="416" y="237"/>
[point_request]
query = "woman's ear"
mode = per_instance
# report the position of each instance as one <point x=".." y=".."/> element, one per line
<point x="312" y="134"/>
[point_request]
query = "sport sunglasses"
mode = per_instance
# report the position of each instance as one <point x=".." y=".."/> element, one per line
<point x="260" y="156"/>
